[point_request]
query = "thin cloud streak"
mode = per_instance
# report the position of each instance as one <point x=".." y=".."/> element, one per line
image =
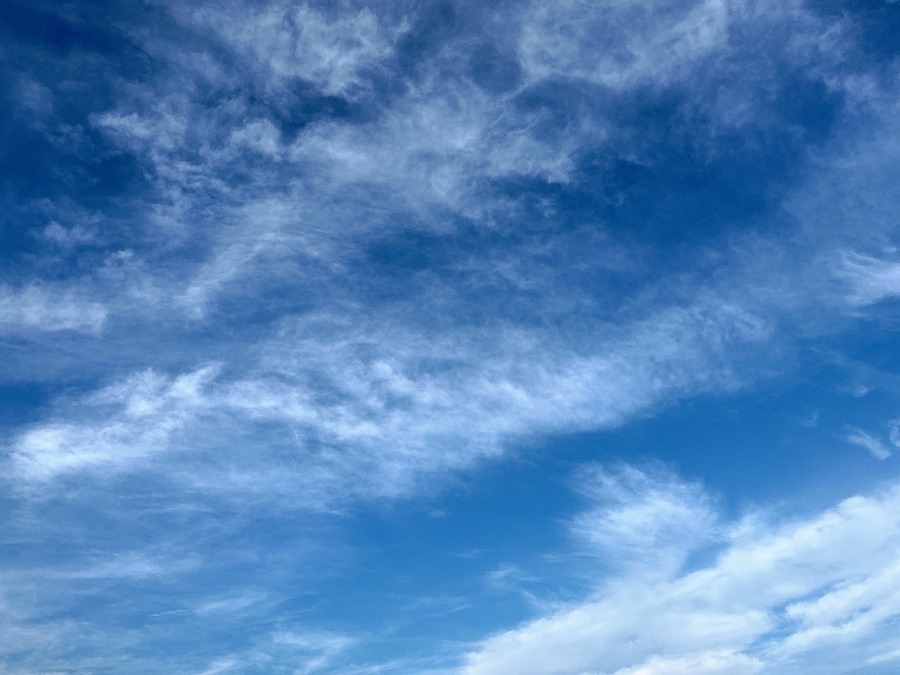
<point x="874" y="445"/>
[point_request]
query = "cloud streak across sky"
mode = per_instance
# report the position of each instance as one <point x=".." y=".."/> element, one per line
<point x="279" y="278"/>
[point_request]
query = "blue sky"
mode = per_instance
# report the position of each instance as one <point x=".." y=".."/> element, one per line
<point x="450" y="337"/>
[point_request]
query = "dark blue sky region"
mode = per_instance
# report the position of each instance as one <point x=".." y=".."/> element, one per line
<point x="449" y="337"/>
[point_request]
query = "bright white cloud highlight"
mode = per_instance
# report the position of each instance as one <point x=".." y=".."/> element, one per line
<point x="130" y="421"/>
<point x="785" y="597"/>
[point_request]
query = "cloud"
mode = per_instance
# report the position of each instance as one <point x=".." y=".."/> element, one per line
<point x="68" y="238"/>
<point x="708" y="663"/>
<point x="372" y="376"/>
<point x="386" y="406"/>
<point x="317" y="648"/>
<point x="233" y="604"/>
<point x="416" y="239"/>
<point x="137" y="418"/>
<point x="872" y="279"/>
<point x="222" y="665"/>
<point x="644" y="518"/>
<point x="295" y="201"/>
<point x="791" y="595"/>
<point x="45" y="309"/>
<point x="286" y="42"/>
<point x="374" y="408"/>
<point x="868" y="442"/>
<point x="510" y="580"/>
<point x="141" y="565"/>
<point x="303" y="652"/>
<point x="640" y="42"/>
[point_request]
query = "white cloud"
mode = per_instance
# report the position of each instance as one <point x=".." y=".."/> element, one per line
<point x="68" y="238"/>
<point x="389" y="406"/>
<point x="644" y="518"/>
<point x="868" y="442"/>
<point x="778" y="596"/>
<point x="358" y="397"/>
<point x="336" y="187"/>
<point x="45" y="309"/>
<point x="872" y="279"/>
<point x="315" y="649"/>
<point x="223" y="665"/>
<point x="131" y="420"/>
<point x="704" y="663"/>
<point x="232" y="604"/>
<point x="639" y="42"/>
<point x="440" y="142"/>
<point x="34" y="96"/>
<point x="335" y="407"/>
<point x="510" y="579"/>
<point x="138" y="565"/>
<point x="299" y="652"/>
<point x="419" y="164"/>
<point x="287" y="41"/>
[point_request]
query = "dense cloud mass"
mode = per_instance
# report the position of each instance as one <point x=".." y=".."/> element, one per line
<point x="318" y="319"/>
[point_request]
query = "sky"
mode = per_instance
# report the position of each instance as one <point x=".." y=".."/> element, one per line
<point x="448" y="336"/>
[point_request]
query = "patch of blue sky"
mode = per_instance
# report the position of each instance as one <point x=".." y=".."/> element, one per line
<point x="449" y="337"/>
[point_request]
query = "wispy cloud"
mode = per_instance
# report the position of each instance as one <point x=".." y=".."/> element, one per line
<point x="303" y="653"/>
<point x="778" y="595"/>
<point x="432" y="155"/>
<point x="872" y="279"/>
<point x="373" y="411"/>
<point x="46" y="309"/>
<point x="413" y="239"/>
<point x="645" y="42"/>
<point x="873" y="444"/>
<point x="144" y="412"/>
<point x="223" y="665"/>
<point x="644" y="519"/>
<point x="336" y="52"/>
<point x="317" y="648"/>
